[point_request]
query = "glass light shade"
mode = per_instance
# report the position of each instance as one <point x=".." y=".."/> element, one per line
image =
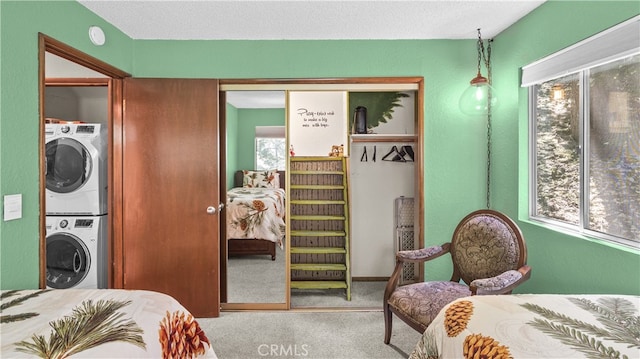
<point x="475" y="99"/>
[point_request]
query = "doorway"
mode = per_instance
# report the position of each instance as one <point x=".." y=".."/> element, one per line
<point x="154" y="159"/>
<point x="66" y="71"/>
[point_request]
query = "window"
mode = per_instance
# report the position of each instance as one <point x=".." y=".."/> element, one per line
<point x="585" y="140"/>
<point x="271" y="148"/>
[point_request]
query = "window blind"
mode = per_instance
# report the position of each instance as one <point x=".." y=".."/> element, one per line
<point x="609" y="45"/>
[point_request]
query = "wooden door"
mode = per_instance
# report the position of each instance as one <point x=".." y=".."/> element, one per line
<point x="170" y="178"/>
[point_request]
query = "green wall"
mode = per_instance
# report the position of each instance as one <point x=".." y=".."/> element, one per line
<point x="248" y="119"/>
<point x="20" y="23"/>
<point x="241" y="130"/>
<point x="561" y="263"/>
<point x="454" y="144"/>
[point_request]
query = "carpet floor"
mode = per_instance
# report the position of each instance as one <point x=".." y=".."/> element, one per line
<point x="258" y="279"/>
<point x="314" y="335"/>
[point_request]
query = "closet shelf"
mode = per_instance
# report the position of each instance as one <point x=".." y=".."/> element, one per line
<point x="318" y="250"/>
<point x="319" y="223"/>
<point x="318" y="266"/>
<point x="325" y="284"/>
<point x="375" y="137"/>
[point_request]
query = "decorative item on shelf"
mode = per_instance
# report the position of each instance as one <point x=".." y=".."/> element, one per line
<point x="337" y="151"/>
<point x="479" y="97"/>
<point x="380" y="107"/>
<point x="360" y="120"/>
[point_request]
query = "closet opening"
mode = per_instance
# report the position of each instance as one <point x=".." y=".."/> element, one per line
<point x="372" y="248"/>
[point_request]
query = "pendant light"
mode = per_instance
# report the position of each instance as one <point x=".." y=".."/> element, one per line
<point x="479" y="97"/>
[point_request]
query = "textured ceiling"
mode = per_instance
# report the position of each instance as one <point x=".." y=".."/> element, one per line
<point x="310" y="19"/>
<point x="307" y="20"/>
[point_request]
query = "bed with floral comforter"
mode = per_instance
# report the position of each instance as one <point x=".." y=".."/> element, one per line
<point x="534" y="326"/>
<point x="98" y="323"/>
<point x="256" y="213"/>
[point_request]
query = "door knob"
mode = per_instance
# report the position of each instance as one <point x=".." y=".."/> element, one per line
<point x="220" y="206"/>
<point x="211" y="210"/>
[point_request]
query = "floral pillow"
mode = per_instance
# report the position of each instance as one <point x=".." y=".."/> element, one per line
<point x="261" y="179"/>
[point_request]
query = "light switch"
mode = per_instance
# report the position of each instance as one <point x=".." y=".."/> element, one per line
<point x="12" y="206"/>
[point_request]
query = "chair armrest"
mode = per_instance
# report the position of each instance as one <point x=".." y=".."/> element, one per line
<point x="414" y="256"/>
<point x="501" y="284"/>
<point x="422" y="255"/>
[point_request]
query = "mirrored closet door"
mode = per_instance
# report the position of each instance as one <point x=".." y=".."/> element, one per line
<point x="255" y="207"/>
<point x="383" y="192"/>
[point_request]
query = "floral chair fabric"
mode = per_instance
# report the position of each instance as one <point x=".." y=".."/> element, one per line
<point x="489" y="256"/>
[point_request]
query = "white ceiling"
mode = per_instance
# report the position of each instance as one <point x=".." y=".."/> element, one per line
<point x="307" y="20"/>
<point x="310" y="19"/>
<point x="256" y="99"/>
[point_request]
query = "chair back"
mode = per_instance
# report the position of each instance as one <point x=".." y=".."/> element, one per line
<point x="486" y="243"/>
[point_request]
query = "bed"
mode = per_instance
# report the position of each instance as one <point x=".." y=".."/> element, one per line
<point x="255" y="213"/>
<point x="534" y="326"/>
<point x="98" y="323"/>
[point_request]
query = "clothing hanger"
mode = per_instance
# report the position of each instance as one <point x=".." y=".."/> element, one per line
<point x="398" y="155"/>
<point x="364" y="156"/>
<point x="393" y="150"/>
<point x="409" y="150"/>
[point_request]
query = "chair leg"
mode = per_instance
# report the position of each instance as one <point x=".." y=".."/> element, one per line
<point x="387" y="323"/>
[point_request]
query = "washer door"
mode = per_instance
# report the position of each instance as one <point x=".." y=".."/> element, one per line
<point x="68" y="261"/>
<point x="68" y="165"/>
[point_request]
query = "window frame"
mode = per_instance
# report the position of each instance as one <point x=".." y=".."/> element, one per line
<point x="584" y="149"/>
<point x="613" y="44"/>
<point x="270" y="135"/>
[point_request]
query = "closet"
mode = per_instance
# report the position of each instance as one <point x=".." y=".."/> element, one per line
<point x="384" y="173"/>
<point x="383" y="190"/>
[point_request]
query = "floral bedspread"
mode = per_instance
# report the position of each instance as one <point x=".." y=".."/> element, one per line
<point x="256" y="213"/>
<point x="98" y="323"/>
<point x="534" y="326"/>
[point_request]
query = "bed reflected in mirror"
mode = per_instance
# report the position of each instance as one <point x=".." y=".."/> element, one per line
<point x="256" y="200"/>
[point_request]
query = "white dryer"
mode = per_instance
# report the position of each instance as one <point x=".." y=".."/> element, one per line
<point x="76" y="169"/>
<point x="76" y="252"/>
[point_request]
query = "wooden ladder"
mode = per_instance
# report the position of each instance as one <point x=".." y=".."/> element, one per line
<point x="319" y="224"/>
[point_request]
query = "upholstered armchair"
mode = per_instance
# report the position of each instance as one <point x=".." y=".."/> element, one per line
<point x="489" y="256"/>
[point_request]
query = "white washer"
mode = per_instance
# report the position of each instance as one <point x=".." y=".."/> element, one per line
<point x="76" y="252"/>
<point x="76" y="169"/>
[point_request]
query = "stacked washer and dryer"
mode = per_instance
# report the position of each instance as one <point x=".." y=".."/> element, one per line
<point x="76" y="205"/>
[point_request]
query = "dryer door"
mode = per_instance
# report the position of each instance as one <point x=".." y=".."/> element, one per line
<point x="68" y="165"/>
<point x="68" y="261"/>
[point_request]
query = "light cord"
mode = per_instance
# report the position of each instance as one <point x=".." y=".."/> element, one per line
<point x="487" y="62"/>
